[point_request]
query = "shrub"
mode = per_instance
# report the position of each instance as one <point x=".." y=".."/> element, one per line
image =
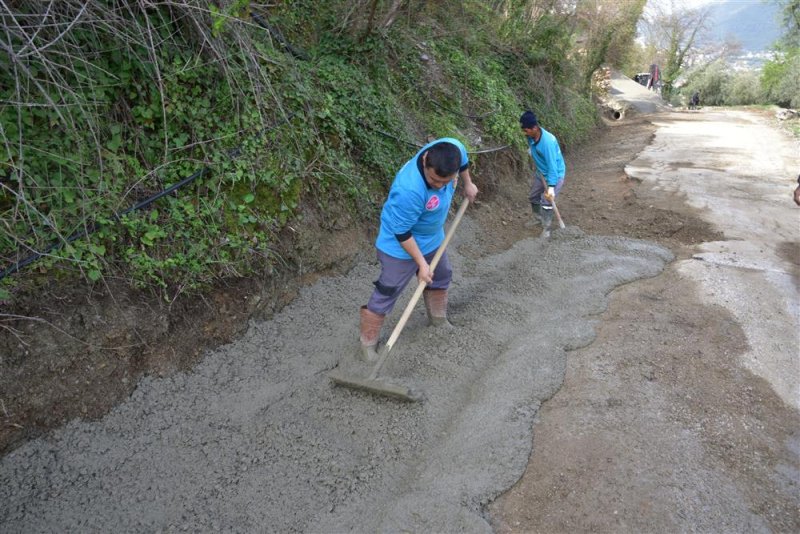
<point x="744" y="88"/>
<point x="780" y="78"/>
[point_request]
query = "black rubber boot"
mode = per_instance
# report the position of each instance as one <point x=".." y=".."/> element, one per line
<point x="537" y="212"/>
<point x="537" y="216"/>
<point x="547" y="221"/>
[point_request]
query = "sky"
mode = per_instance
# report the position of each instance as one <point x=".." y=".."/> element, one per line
<point x="693" y="4"/>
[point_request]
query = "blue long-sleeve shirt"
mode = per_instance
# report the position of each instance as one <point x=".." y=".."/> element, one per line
<point x="546" y="153"/>
<point x="414" y="207"/>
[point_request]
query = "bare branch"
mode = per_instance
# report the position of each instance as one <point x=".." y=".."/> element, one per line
<point x="39" y="49"/>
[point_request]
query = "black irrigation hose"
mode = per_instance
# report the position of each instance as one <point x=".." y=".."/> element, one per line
<point x="233" y="153"/>
<point x="487" y="150"/>
<point x="417" y="145"/>
<point x="92" y="227"/>
<point x="276" y="33"/>
<point x="390" y="136"/>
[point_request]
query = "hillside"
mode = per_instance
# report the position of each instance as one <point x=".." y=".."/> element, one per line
<point x="753" y="23"/>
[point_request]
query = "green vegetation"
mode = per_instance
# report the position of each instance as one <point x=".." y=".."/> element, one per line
<point x="780" y="79"/>
<point x="778" y="82"/>
<point x="672" y="33"/>
<point x="105" y="104"/>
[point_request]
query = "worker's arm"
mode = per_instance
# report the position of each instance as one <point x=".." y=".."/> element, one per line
<point x="470" y="189"/>
<point x="424" y="275"/>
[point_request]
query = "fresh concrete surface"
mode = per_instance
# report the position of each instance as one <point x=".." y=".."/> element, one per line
<point x="256" y="438"/>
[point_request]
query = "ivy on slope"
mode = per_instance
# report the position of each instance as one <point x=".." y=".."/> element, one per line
<point x="150" y="96"/>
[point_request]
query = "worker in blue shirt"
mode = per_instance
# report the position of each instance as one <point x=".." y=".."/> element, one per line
<point x="412" y="228"/>
<point x="550" y="170"/>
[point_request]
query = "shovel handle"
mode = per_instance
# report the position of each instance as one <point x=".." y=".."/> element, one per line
<point x="558" y="215"/>
<point x="420" y="288"/>
<point x="555" y="208"/>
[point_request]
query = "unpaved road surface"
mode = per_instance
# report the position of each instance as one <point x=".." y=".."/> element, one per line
<point x="647" y="408"/>
<point x="682" y="415"/>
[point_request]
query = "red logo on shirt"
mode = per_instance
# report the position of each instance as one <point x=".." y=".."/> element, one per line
<point x="433" y="203"/>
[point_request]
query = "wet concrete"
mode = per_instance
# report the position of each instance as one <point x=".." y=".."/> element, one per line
<point x="256" y="438"/>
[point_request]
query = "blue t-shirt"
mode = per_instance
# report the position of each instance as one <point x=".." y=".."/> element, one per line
<point x="414" y="207"/>
<point x="547" y="155"/>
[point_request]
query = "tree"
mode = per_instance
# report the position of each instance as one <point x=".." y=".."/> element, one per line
<point x="744" y="89"/>
<point x="780" y="77"/>
<point x="711" y="82"/>
<point x="607" y="29"/>
<point x="674" y="32"/>
<point x="791" y="23"/>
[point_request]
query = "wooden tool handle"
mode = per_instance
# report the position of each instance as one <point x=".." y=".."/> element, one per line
<point x="553" y="202"/>
<point x="420" y="288"/>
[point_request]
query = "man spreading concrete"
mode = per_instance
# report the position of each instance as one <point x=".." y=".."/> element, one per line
<point x="412" y="228"/>
<point x="550" y="170"/>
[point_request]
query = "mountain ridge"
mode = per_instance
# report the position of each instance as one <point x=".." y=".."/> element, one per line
<point x="755" y="25"/>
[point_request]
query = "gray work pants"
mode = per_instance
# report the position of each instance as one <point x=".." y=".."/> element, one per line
<point x="395" y="275"/>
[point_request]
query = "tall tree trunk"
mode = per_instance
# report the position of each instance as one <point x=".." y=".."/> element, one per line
<point x="368" y="29"/>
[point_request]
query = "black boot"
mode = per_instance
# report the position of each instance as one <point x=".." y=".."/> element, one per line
<point x="537" y="216"/>
<point x="547" y="220"/>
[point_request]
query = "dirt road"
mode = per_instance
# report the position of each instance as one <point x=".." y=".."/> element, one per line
<point x="682" y="415"/>
<point x="640" y="403"/>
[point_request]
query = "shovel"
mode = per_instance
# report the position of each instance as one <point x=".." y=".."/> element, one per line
<point x="555" y="208"/>
<point x="373" y="383"/>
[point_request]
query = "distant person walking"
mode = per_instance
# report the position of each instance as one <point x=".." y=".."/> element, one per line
<point x="694" y="103"/>
<point x="411" y="231"/>
<point x="548" y="178"/>
<point x="654" y="82"/>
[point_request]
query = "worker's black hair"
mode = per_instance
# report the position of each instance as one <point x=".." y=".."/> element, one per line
<point x="528" y="119"/>
<point x="444" y="158"/>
